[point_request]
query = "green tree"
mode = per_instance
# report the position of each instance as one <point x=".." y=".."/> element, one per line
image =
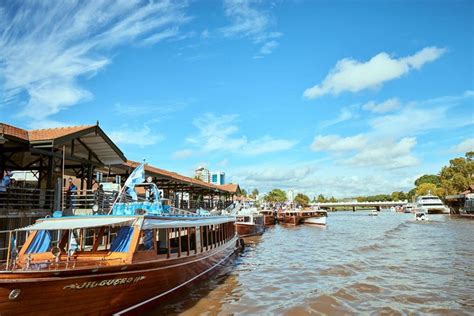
<point x="254" y="193"/>
<point x="427" y="188"/>
<point x="321" y="198"/>
<point x="411" y="194"/>
<point x="243" y="192"/>
<point x="275" y="195"/>
<point x="458" y="175"/>
<point x="428" y="178"/>
<point x="399" y="196"/>
<point x="302" y="199"/>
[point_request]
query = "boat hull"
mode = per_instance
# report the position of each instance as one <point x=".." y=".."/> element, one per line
<point x="105" y="292"/>
<point x="269" y="220"/>
<point x="249" y="229"/>
<point x="321" y="220"/>
<point x="291" y="220"/>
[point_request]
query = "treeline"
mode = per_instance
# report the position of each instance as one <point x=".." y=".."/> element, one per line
<point x="451" y="179"/>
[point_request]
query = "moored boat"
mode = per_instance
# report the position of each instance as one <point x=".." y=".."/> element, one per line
<point x="430" y="204"/>
<point x="269" y="218"/>
<point x="290" y="217"/>
<point x="317" y="217"/>
<point x="111" y="263"/>
<point x="249" y="223"/>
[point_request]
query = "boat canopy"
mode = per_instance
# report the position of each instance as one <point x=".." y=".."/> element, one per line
<point x="78" y="222"/>
<point x="150" y="223"/>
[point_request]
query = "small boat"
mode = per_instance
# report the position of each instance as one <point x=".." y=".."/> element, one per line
<point x="113" y="263"/>
<point x="430" y="204"/>
<point x="374" y="213"/>
<point x="269" y="218"/>
<point x="421" y="216"/>
<point x="249" y="223"/>
<point x="409" y="208"/>
<point x="290" y="217"/>
<point x="316" y="217"/>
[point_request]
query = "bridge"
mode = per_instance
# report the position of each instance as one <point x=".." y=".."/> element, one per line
<point x="354" y="204"/>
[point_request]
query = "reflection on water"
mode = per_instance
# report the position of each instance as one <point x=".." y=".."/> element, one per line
<point x="386" y="264"/>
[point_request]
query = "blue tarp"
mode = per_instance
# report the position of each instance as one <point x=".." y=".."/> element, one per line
<point x="41" y="242"/>
<point x="122" y="241"/>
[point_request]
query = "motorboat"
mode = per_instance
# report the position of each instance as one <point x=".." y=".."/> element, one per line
<point x="114" y="263"/>
<point x="249" y="222"/>
<point x="409" y="208"/>
<point x="430" y="204"/>
<point x="269" y="218"/>
<point x="421" y="216"/>
<point x="316" y="217"/>
<point x="374" y="213"/>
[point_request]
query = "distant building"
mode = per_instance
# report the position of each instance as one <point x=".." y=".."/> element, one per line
<point x="218" y="177"/>
<point x="202" y="174"/>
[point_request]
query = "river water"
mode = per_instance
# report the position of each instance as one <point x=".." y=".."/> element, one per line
<point x="358" y="264"/>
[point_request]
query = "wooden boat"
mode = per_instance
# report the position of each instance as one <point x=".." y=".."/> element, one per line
<point x="316" y="217"/>
<point x="269" y="218"/>
<point x="249" y="224"/>
<point x="290" y="217"/>
<point x="107" y="264"/>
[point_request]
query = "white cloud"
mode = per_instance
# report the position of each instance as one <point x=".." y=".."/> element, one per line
<point x="347" y="113"/>
<point x="219" y="133"/>
<point x="386" y="154"/>
<point x="139" y="137"/>
<point x="182" y="154"/>
<point x="352" y="75"/>
<point x="336" y="143"/>
<point x="464" y="146"/>
<point x="45" y="48"/>
<point x="383" y="107"/>
<point x="247" y="20"/>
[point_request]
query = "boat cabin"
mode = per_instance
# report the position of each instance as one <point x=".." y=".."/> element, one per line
<point x="85" y="241"/>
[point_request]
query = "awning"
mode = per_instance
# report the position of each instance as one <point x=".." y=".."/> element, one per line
<point x="163" y="223"/>
<point x="78" y="222"/>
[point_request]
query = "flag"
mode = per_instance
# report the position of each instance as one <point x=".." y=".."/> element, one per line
<point x="137" y="177"/>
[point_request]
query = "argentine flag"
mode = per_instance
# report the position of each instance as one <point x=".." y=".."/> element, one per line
<point x="137" y="177"/>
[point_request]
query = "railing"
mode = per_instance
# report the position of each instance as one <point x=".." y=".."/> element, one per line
<point x="27" y="199"/>
<point x="84" y="200"/>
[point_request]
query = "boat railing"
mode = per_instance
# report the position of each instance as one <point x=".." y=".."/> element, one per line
<point x="10" y="243"/>
<point x="85" y="200"/>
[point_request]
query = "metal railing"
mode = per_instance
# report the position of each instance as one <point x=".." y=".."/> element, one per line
<point x="27" y="199"/>
<point x="84" y="200"/>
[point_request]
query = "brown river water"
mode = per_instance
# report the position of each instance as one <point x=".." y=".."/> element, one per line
<point x="359" y="264"/>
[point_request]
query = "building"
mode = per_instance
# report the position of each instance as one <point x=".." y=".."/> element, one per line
<point x="202" y="174"/>
<point x="218" y="178"/>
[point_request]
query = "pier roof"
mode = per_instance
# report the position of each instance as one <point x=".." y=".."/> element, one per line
<point x="168" y="179"/>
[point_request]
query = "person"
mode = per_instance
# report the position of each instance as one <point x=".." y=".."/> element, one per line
<point x="99" y="196"/>
<point x="4" y="181"/>
<point x="71" y="192"/>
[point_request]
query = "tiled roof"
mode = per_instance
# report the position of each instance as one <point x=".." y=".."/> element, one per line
<point x="230" y="187"/>
<point x="9" y="130"/>
<point x="176" y="176"/>
<point x="53" y="133"/>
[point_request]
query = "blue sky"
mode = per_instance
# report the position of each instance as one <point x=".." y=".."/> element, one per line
<point x="342" y="98"/>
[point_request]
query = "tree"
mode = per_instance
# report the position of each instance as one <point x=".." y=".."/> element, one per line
<point x="302" y="199"/>
<point x="427" y="188"/>
<point x="275" y="195"/>
<point x="254" y="193"/>
<point x="428" y="178"/>
<point x="321" y="198"/>
<point x="411" y="194"/>
<point x="398" y="196"/>
<point x="243" y="192"/>
<point x="458" y="175"/>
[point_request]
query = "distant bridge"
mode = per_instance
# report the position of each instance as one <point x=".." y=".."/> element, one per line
<point x="354" y="204"/>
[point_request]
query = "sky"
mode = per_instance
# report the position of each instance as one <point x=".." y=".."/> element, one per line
<point x="341" y="98"/>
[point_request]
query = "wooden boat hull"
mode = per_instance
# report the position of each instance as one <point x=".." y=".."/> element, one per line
<point x="106" y="291"/>
<point x="249" y="229"/>
<point x="320" y="220"/>
<point x="291" y="220"/>
<point x="269" y="220"/>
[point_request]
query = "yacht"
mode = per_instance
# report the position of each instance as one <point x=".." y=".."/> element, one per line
<point x="430" y="204"/>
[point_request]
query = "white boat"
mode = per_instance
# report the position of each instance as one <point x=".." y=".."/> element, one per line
<point x="430" y="204"/>
<point x="374" y="213"/>
<point x="421" y="216"/>
<point x="318" y="218"/>
<point x="409" y="208"/>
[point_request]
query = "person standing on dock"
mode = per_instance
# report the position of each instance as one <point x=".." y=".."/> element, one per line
<point x="71" y="192"/>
